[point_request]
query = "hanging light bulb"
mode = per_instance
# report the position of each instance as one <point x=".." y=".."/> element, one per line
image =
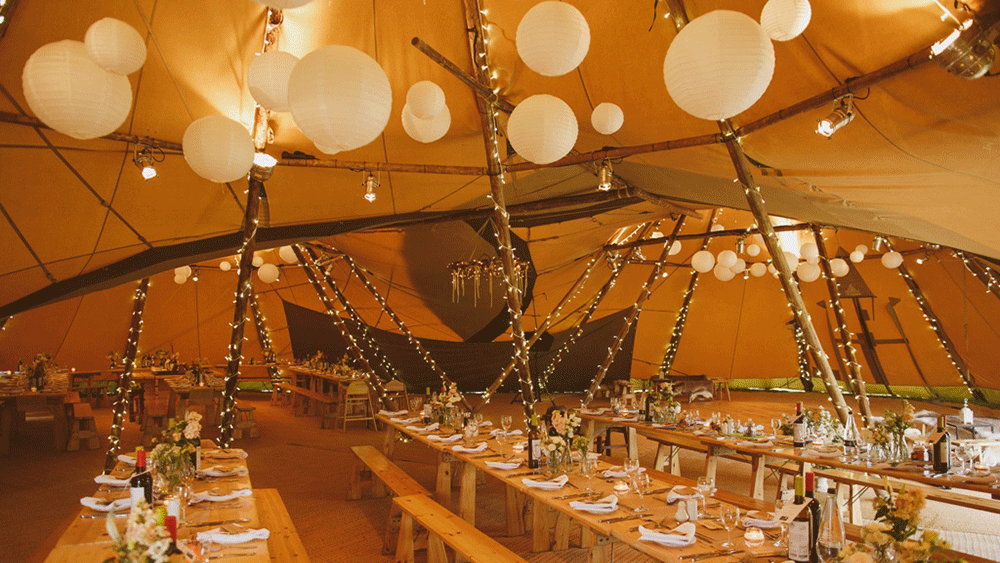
<point x="605" y="176"/>
<point x="842" y="114"/>
<point x="263" y="166"/>
<point x="968" y="51"/>
<point x="144" y="160"/>
<point x="741" y="245"/>
<point x="370" y="184"/>
<point x="877" y="244"/>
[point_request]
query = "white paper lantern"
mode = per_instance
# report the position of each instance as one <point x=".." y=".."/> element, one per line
<point x="225" y="266"/>
<point x="268" y="77"/>
<point x="792" y="260"/>
<point x="287" y="254"/>
<point x="861" y="248"/>
<point x="722" y="273"/>
<point x="339" y="97"/>
<point x="807" y="272"/>
<point x="753" y="250"/>
<point x="283" y="4"/>
<point x="426" y="130"/>
<point x="71" y="94"/>
<point x="719" y="65"/>
<point x="607" y="118"/>
<point x="809" y="252"/>
<point x="675" y="248"/>
<point x="702" y="261"/>
<point x="115" y="46"/>
<point x="783" y="20"/>
<point x="892" y="259"/>
<point x="857" y="257"/>
<point x="179" y="279"/>
<point x="542" y="129"/>
<point x="257" y="261"/>
<point x="740" y="266"/>
<point x="552" y="38"/>
<point x="839" y="267"/>
<point x="727" y="258"/>
<point x="182" y="271"/>
<point x="758" y="269"/>
<point x="218" y="149"/>
<point x="425" y="99"/>
<point x="268" y="273"/>
<point x="328" y="150"/>
<point x="772" y="269"/>
<point x="717" y="228"/>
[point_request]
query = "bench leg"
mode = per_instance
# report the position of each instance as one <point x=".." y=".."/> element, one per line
<point x="515" y="512"/>
<point x="601" y="551"/>
<point x="854" y="498"/>
<point x="467" y="494"/>
<point x="379" y="489"/>
<point x="404" y="546"/>
<point x="562" y="531"/>
<point x="632" y="439"/>
<point x="711" y="464"/>
<point x="391" y="529"/>
<point x="759" y="470"/>
<point x="435" y="550"/>
<point x="587" y="537"/>
<point x="442" y="492"/>
<point x="539" y="526"/>
<point x="662" y="456"/>
<point x="354" y="489"/>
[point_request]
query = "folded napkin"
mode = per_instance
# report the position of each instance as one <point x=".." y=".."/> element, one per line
<point x="703" y="432"/>
<point x="979" y="479"/>
<point x="486" y="423"/>
<point x="218" y="535"/>
<point x="496" y="432"/>
<point x="477" y="449"/>
<point x="751" y="444"/>
<point x="624" y="419"/>
<point x="901" y="467"/>
<point x="219" y="471"/>
<point x="602" y="506"/>
<point x="680" y="536"/>
<point x="126" y="459"/>
<point x="550" y="485"/>
<point x="763" y="520"/>
<point x="101" y="505"/>
<point x="392" y="413"/>
<point x="201" y="497"/>
<point x="405" y="420"/>
<point x="219" y="453"/>
<point x="680" y="492"/>
<point x="822" y="454"/>
<point x="618" y="472"/>
<point x="593" y="411"/>
<point x="428" y="428"/>
<point x="452" y="438"/>
<point x="109" y="480"/>
<point x="505" y="465"/>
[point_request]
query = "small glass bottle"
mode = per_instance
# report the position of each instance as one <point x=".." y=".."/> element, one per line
<point x="831" y="533"/>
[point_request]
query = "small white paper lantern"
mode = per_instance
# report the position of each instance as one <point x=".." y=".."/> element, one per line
<point x="182" y="271"/>
<point x="722" y="273"/>
<point x="607" y="118"/>
<point x="425" y="99"/>
<point x="807" y="272"/>
<point x="257" y="261"/>
<point x="339" y="97"/>
<point x="892" y="259"/>
<point x="857" y="257"/>
<point x="268" y="77"/>
<point x="675" y="248"/>
<point x="283" y="4"/>
<point x="702" y="261"/>
<point x="542" y="129"/>
<point x="717" y="228"/>
<point x="268" y="273"/>
<point x="115" y="46"/>
<point x="287" y="254"/>
<point x="861" y="248"/>
<point x="792" y="260"/>
<point x="772" y="269"/>
<point x="727" y="258"/>
<point x="839" y="267"/>
<point x="218" y="149"/>
<point x="809" y="252"/>
<point x="71" y="94"/>
<point x="784" y="20"/>
<point x="719" y="65"/>
<point x="426" y="130"/>
<point x="225" y="266"/>
<point x="740" y="266"/>
<point x="753" y="250"/>
<point x="179" y="279"/>
<point x="552" y="38"/>
<point x="758" y="269"/>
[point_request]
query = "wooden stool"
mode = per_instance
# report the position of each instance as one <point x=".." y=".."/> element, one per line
<point x="153" y="425"/>
<point x="604" y="445"/>
<point x="245" y="419"/>
<point x="721" y="386"/>
<point x="82" y="428"/>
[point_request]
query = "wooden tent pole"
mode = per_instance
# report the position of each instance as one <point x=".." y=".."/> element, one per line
<point x="890" y="308"/>
<point x="633" y="314"/>
<point x="679" y="322"/>
<point x="935" y="322"/>
<point x="846" y="337"/>
<point x="125" y="378"/>
<point x="264" y="339"/>
<point x="717" y="234"/>
<point x="310" y="268"/>
<point x="980" y="272"/>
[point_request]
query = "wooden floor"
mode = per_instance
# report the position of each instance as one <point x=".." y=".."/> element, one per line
<point x="309" y="467"/>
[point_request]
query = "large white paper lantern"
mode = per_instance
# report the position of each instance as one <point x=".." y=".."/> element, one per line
<point x="425" y="99"/>
<point x="268" y="77"/>
<point x="268" y="273"/>
<point x="723" y="273"/>
<point x="218" y="149"/>
<point x="862" y="249"/>
<point x="783" y="20"/>
<point x="717" y="228"/>
<point x="892" y="259"/>
<point x="542" y="129"/>
<point x="718" y="65"/>
<point x="857" y="257"/>
<point x="807" y="272"/>
<point x="283" y="4"/>
<point x="179" y="279"/>
<point x="839" y="267"/>
<point x="727" y="258"/>
<point x="115" y="46"/>
<point x="328" y="150"/>
<point x="552" y="38"/>
<point x="426" y="130"/>
<point x="675" y="248"/>
<point x="607" y="118"/>
<point x="758" y="269"/>
<point x="339" y="97"/>
<point x="753" y="250"/>
<point x="809" y="252"/>
<point x="702" y="261"/>
<point x="287" y="254"/>
<point x="225" y="266"/>
<point x="71" y="94"/>
<point x="739" y="267"/>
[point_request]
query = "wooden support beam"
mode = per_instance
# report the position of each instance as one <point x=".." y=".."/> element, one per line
<point x="18" y="119"/>
<point x="125" y="378"/>
<point x="355" y="165"/>
<point x="264" y="339"/>
<point x="890" y="308"/>
<point x="750" y="231"/>
<point x="981" y="272"/>
<point x="868" y="342"/>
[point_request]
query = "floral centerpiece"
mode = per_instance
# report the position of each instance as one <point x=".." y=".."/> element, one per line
<point x="662" y="403"/>
<point x="146" y="538"/>
<point x="173" y="459"/>
<point x="40" y="367"/>
<point x="819" y="422"/>
<point x="893" y="534"/>
<point x="445" y="404"/>
<point x="563" y="436"/>
<point x="888" y="438"/>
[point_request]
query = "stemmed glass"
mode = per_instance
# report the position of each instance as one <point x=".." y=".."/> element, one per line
<point x="502" y="440"/>
<point x="505" y="422"/>
<point x="705" y="488"/>
<point x="631" y="467"/>
<point x="588" y="467"/>
<point x="778" y="505"/>
<point x="729" y="515"/>
<point x="775" y="426"/>
<point x="640" y="481"/>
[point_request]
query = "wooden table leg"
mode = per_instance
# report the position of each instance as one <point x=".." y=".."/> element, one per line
<point x="539" y="526"/>
<point x="663" y="452"/>
<point x="404" y="547"/>
<point x="562" y="531"/>
<point x="587" y="537"/>
<point x="389" y="442"/>
<point x="711" y="464"/>
<point x="467" y="494"/>
<point x="633" y="442"/>
<point x="515" y="512"/>
<point x="854" y="500"/>
<point x="601" y="551"/>
<point x="442" y="492"/>
<point x="759" y="465"/>
<point x="435" y="550"/>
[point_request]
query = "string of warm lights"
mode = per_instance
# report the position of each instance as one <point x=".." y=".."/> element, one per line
<point x="311" y="269"/>
<point x="125" y="378"/>
<point x="935" y="323"/>
<point x="634" y="313"/>
<point x="264" y="337"/>
<point x="980" y="272"/>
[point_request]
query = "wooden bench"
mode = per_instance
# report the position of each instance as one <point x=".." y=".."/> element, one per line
<point x="445" y="528"/>
<point x="284" y="543"/>
<point x="386" y="476"/>
<point x="82" y="428"/>
<point x="306" y="402"/>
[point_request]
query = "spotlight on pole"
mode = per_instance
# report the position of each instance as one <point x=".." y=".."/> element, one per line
<point x="605" y="176"/>
<point x="842" y="114"/>
<point x="968" y="51"/>
<point x="370" y="184"/>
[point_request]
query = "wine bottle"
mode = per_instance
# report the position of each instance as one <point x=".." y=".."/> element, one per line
<point x="800" y="528"/>
<point x="534" y="444"/>
<point x="647" y="402"/>
<point x="816" y="517"/>
<point x="799" y="427"/>
<point x="941" y="453"/>
<point x="850" y="436"/>
<point x="967" y="415"/>
<point x="831" y="535"/>
<point x="141" y="482"/>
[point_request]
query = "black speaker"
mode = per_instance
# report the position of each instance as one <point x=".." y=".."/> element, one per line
<point x="543" y="344"/>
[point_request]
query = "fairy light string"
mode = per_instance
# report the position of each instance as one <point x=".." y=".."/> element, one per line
<point x="982" y="273"/>
<point x="125" y="378"/>
<point x="264" y="337"/>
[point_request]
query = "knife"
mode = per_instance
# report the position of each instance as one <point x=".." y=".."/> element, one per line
<point x="524" y="474"/>
<point x="709" y="555"/>
<point x="219" y="522"/>
<point x="575" y="495"/>
<point x="624" y="518"/>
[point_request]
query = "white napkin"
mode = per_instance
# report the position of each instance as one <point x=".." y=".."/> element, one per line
<point x="550" y="485"/>
<point x="702" y="432"/>
<point x="498" y="431"/>
<point x="505" y="465"/>
<point x="675" y="494"/>
<point x="618" y="472"/>
<point x="109" y="480"/>
<point x="217" y="535"/>
<point x="219" y="453"/>
<point x="452" y="438"/>
<point x="392" y="413"/>
<point x="101" y="505"/>
<point x="756" y="521"/>
<point x="826" y="455"/>
<point x="486" y="423"/>
<point x="681" y="536"/>
<point x="592" y="411"/>
<point x="126" y="459"/>
<point x="477" y="449"/>
<point x="405" y="420"/>
<point x="200" y="497"/>
<point x="428" y="428"/>
<point x="624" y="419"/>
<point x="219" y="471"/>
<point x="979" y="479"/>
<point x="749" y="444"/>
<point x="602" y="506"/>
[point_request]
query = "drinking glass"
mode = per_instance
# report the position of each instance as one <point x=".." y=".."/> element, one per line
<point x="516" y="447"/>
<point x="960" y="455"/>
<point x="631" y="467"/>
<point x="502" y="440"/>
<point x="705" y="488"/>
<point x="477" y="418"/>
<point x="588" y="467"/>
<point x="505" y="422"/>
<point x="729" y="515"/>
<point x="778" y="505"/>
<point x="640" y="482"/>
<point x="775" y="426"/>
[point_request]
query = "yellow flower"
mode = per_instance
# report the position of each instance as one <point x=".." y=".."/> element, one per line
<point x="859" y="557"/>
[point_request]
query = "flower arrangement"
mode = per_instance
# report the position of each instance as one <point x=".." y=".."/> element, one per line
<point x="171" y="458"/>
<point x="445" y="403"/>
<point x="114" y="358"/>
<point x="40" y="366"/>
<point x="891" y="537"/>
<point x="146" y="538"/>
<point x="563" y="435"/>
<point x="819" y="422"/>
<point x="888" y="436"/>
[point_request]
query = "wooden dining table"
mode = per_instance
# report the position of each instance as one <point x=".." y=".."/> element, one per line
<point x="52" y="401"/>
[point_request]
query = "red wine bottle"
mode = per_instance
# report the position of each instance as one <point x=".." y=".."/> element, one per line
<point x="799" y="427"/>
<point x="800" y="528"/>
<point x="141" y="482"/>
<point x="815" y="516"/>
<point x="534" y="443"/>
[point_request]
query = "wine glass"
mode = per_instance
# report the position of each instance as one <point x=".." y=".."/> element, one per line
<point x="775" y="426"/>
<point x="729" y="515"/>
<point x="505" y="422"/>
<point x="502" y="440"/>
<point x="704" y="487"/>
<point x="588" y="467"/>
<point x="478" y="419"/>
<point x="778" y="505"/>
<point x="640" y="481"/>
<point x="631" y="467"/>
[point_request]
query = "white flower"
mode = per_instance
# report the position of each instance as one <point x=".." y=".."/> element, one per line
<point x="193" y="430"/>
<point x="192" y="416"/>
<point x="859" y="557"/>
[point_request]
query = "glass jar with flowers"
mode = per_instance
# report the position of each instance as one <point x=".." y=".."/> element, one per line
<point x="563" y="430"/>
<point x="146" y="538"/>
<point x="175" y="458"/>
